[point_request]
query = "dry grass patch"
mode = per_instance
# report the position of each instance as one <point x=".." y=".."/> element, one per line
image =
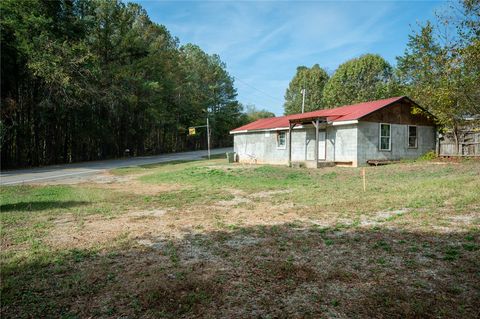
<point x="213" y="240"/>
<point x="122" y="183"/>
<point x="278" y="271"/>
<point x="135" y="187"/>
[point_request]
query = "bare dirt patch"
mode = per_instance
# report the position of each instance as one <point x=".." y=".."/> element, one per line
<point x="138" y="188"/>
<point x="268" y="194"/>
<point x="70" y="231"/>
<point x="125" y="183"/>
<point x="380" y="217"/>
<point x="99" y="178"/>
<point x="242" y="197"/>
<point x="80" y="232"/>
<point x="466" y="219"/>
<point x="239" y="197"/>
<point x="130" y="184"/>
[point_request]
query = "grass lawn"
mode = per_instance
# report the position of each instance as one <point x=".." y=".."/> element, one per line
<point x="208" y="239"/>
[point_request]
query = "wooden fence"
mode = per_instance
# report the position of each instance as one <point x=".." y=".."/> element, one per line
<point x="468" y="144"/>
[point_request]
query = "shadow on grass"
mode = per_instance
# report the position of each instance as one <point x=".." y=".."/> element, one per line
<point x="280" y="271"/>
<point x="39" y="205"/>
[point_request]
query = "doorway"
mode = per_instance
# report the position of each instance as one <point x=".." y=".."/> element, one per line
<point x="321" y="146"/>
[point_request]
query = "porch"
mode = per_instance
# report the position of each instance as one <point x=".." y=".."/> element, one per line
<point x="320" y="152"/>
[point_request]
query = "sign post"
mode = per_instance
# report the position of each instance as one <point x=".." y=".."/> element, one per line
<point x="192" y="131"/>
<point x="208" y="138"/>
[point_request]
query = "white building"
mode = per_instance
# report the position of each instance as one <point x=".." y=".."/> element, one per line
<point x="389" y="129"/>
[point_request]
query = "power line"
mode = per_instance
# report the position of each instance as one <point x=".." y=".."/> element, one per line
<point x="261" y="91"/>
<point x="257" y="95"/>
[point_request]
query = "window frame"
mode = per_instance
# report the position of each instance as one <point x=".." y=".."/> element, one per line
<point x="408" y="136"/>
<point x="389" y="137"/>
<point x="279" y="146"/>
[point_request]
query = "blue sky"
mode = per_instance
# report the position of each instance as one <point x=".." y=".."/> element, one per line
<point x="263" y="42"/>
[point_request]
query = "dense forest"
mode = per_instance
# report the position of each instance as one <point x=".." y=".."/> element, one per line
<point x="86" y="80"/>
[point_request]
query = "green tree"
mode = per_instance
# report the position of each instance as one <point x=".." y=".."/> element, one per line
<point x="368" y="77"/>
<point x="251" y="113"/>
<point x="313" y="80"/>
<point x="211" y="93"/>
<point x="84" y="80"/>
<point x="440" y="68"/>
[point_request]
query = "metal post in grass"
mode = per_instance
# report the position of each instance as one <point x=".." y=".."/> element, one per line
<point x="364" y="179"/>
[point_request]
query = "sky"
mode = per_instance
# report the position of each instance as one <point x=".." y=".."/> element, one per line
<point x="263" y="42"/>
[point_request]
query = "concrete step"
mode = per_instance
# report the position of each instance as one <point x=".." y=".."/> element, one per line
<point x="321" y="164"/>
<point x="311" y="164"/>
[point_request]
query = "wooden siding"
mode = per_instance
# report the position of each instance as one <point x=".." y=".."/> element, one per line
<point x="401" y="112"/>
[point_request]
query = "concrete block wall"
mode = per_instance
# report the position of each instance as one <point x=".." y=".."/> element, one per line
<point x="303" y="144"/>
<point x="261" y="147"/>
<point x="342" y="143"/>
<point x="368" y="142"/>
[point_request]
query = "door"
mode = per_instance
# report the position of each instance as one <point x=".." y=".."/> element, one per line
<point x="321" y="145"/>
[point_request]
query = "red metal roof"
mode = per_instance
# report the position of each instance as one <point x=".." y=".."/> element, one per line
<point x="342" y="113"/>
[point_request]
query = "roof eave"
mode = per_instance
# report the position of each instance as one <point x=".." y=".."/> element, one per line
<point x="283" y="128"/>
<point x="307" y="119"/>
<point x="260" y="130"/>
<point x="346" y="122"/>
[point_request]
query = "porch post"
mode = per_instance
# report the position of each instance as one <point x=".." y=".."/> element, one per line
<point x="289" y="144"/>
<point x="316" y="141"/>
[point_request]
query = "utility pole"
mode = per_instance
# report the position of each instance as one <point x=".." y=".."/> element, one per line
<point x="304" y="92"/>
<point x="208" y="138"/>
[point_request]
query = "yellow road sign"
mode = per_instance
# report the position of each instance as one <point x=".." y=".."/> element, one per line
<point x="191" y="131"/>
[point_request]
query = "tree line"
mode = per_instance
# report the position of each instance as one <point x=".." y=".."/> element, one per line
<point x="89" y="79"/>
<point x="440" y="69"/>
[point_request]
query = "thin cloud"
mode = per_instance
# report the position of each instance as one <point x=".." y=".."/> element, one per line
<point x="262" y="43"/>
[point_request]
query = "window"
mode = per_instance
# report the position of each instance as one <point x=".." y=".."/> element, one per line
<point x="412" y="137"/>
<point x="281" y="139"/>
<point x="385" y="137"/>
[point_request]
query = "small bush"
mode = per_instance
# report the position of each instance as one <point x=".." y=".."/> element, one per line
<point x="428" y="156"/>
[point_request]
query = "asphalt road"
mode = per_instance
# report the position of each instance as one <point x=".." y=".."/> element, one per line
<point x="86" y="169"/>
